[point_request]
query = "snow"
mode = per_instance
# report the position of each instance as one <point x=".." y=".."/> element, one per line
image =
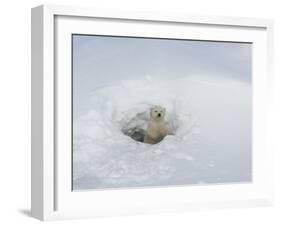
<point x="209" y="117"/>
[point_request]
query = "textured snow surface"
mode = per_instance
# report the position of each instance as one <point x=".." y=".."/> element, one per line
<point x="210" y="120"/>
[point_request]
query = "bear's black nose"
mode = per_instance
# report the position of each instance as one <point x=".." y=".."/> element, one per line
<point x="159" y="115"/>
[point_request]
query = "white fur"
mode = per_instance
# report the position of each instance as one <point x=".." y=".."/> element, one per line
<point x="156" y="129"/>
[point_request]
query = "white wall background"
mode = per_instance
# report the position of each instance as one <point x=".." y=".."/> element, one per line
<point x="15" y="111"/>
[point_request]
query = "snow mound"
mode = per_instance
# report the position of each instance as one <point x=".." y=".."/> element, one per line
<point x="106" y="148"/>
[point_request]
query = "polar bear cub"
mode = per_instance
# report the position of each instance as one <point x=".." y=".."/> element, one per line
<point x="156" y="129"/>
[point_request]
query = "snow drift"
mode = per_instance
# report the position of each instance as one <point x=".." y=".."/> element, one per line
<point x="210" y="119"/>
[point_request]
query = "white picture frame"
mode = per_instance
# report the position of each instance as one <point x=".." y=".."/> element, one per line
<point x="52" y="197"/>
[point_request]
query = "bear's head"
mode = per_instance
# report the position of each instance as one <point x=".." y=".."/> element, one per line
<point x="157" y="113"/>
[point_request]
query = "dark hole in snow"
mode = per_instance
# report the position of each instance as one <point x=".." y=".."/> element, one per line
<point x="134" y="125"/>
<point x="136" y="134"/>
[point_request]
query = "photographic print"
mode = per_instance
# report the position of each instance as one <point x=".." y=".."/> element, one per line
<point x="160" y="112"/>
